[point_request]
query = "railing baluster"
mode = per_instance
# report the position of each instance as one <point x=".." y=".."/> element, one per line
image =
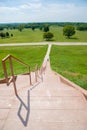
<point x="12" y="73"/>
<point x="30" y="76"/>
<point x="5" y="72"/>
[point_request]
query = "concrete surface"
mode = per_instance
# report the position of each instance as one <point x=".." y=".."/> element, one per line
<point x="43" y="43"/>
<point x="48" y="104"/>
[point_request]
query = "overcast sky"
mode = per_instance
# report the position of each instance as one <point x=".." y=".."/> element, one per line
<point x="43" y="11"/>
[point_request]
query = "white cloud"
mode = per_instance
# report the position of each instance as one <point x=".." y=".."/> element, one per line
<point x="32" y="6"/>
<point x="64" y="12"/>
<point x="4" y="8"/>
<point x="35" y="11"/>
<point x="27" y="6"/>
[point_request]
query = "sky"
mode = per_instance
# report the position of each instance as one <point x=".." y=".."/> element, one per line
<point x="16" y="11"/>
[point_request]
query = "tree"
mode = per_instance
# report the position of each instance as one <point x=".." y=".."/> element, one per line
<point x="7" y="34"/>
<point x="1" y="28"/>
<point x="48" y="36"/>
<point x="33" y="28"/>
<point x="82" y="28"/>
<point x="46" y="28"/>
<point x="11" y="35"/>
<point x="20" y="27"/>
<point x="2" y="35"/>
<point x="41" y="28"/>
<point x="68" y="30"/>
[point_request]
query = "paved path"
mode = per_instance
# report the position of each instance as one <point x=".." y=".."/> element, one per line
<point x="47" y="105"/>
<point x="44" y="43"/>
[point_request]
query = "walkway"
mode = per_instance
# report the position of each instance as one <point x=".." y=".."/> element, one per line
<point x="43" y="43"/>
<point x="48" y="105"/>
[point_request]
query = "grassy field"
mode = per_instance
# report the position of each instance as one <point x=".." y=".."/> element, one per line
<point x="28" y="35"/>
<point x="80" y="36"/>
<point x="71" y="62"/>
<point x="31" y="55"/>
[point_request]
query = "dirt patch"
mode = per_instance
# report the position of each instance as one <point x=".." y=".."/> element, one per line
<point x="71" y="73"/>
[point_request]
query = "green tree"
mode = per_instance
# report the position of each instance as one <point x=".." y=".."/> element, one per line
<point x="2" y="35"/>
<point x="1" y="28"/>
<point x="46" y="28"/>
<point x="11" y="35"/>
<point x="20" y="27"/>
<point x="33" y="28"/>
<point x="48" y="36"/>
<point x="7" y="34"/>
<point x="68" y="30"/>
<point x="82" y="28"/>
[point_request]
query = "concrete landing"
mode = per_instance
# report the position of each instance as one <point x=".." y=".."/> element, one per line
<point x="48" y="104"/>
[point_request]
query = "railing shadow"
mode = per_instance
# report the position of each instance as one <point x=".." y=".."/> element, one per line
<point x="23" y="119"/>
<point x="34" y="86"/>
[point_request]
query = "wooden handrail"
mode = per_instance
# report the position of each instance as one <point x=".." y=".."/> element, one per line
<point x="20" y="61"/>
<point x="10" y="57"/>
<point x="7" y="57"/>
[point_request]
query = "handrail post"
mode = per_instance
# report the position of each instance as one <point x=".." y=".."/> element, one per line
<point x="12" y="72"/>
<point x="5" y="71"/>
<point x="36" y="72"/>
<point x="30" y="76"/>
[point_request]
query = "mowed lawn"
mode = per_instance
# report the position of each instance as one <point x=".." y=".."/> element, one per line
<point x="28" y="35"/>
<point x="71" y="62"/>
<point x="31" y="55"/>
<point x="80" y="36"/>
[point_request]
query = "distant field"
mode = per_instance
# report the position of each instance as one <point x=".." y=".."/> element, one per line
<point x="71" y="62"/>
<point x="28" y="35"/>
<point x="31" y="55"/>
<point x="80" y="36"/>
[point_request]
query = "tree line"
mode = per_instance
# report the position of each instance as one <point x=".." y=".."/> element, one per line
<point x="82" y="28"/>
<point x="33" y="26"/>
<point x="69" y="29"/>
<point x="5" y="35"/>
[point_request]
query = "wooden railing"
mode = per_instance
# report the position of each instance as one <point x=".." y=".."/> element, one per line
<point x="10" y="58"/>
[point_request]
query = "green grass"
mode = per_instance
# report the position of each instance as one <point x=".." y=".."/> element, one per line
<point x="28" y="35"/>
<point x="80" y="36"/>
<point x="71" y="62"/>
<point x="31" y="55"/>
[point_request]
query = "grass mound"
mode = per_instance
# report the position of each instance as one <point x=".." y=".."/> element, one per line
<point x="71" y="62"/>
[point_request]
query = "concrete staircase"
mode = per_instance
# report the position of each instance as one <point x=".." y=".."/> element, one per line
<point x="48" y="104"/>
